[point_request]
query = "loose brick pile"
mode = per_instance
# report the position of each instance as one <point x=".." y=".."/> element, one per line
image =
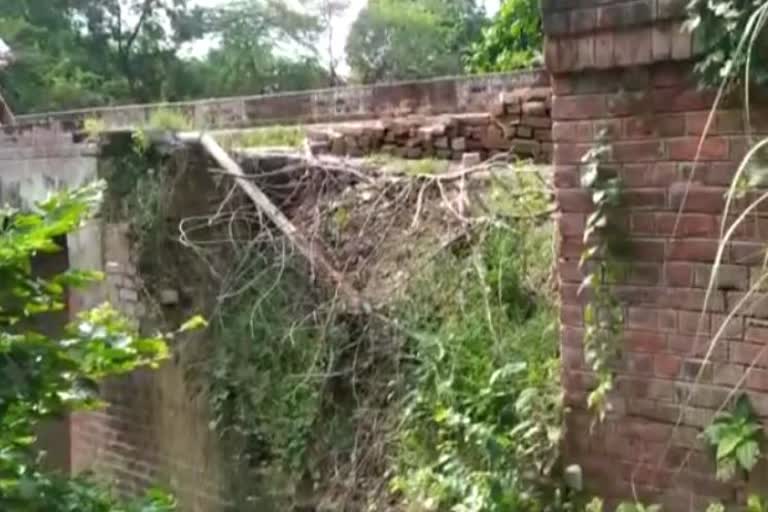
<point x="519" y="122"/>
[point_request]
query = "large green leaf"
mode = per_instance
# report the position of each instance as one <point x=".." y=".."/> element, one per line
<point x="747" y="454"/>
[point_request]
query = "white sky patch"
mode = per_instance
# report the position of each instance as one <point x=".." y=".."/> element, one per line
<point x="341" y="28"/>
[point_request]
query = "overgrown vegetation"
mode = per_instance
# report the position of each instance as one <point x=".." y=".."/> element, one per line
<point x="411" y="167"/>
<point x="735" y="438"/>
<point x="445" y="395"/>
<point x="45" y="377"/>
<point x="103" y="52"/>
<point x="269" y="136"/>
<point x="731" y="38"/>
<point x="603" y="264"/>
<point x="482" y="417"/>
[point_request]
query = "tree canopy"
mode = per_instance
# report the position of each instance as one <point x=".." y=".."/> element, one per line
<point x="406" y="39"/>
<point x="80" y="53"/>
<point x="512" y="41"/>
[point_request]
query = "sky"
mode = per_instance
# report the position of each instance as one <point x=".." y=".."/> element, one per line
<point x="342" y="30"/>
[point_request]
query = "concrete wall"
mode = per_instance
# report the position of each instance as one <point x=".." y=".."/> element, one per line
<point x="426" y="97"/>
<point x="35" y="161"/>
<point x="626" y="68"/>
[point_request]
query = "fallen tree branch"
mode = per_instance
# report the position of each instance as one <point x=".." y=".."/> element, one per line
<point x="312" y="249"/>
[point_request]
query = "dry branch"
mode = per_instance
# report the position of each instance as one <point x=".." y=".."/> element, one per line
<point x="312" y="249"/>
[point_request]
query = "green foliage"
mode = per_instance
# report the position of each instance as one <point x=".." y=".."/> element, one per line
<point x="252" y="59"/>
<point x="715" y="507"/>
<point x="756" y="503"/>
<point x="483" y="412"/>
<point x="168" y="120"/>
<point x="98" y="52"/>
<point x="603" y="265"/>
<point x="733" y="39"/>
<point x="411" y="167"/>
<point x="270" y="136"/>
<point x="513" y="41"/>
<point x="138" y="186"/>
<point x="266" y="375"/>
<point x="637" y="507"/>
<point x="75" y="54"/>
<point x="402" y="39"/>
<point x="45" y="377"/>
<point x="596" y="505"/>
<point x="735" y="438"/>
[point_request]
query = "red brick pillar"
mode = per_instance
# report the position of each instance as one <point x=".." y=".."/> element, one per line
<point x="625" y="67"/>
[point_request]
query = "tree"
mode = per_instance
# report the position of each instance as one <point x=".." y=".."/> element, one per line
<point x="44" y="377"/>
<point x="73" y="53"/>
<point x="406" y="39"/>
<point x="328" y="14"/>
<point x="513" y="41"/>
<point x="255" y="37"/>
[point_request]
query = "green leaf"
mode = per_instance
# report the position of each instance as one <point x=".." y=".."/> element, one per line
<point x="193" y="324"/>
<point x="589" y="177"/>
<point x="727" y="445"/>
<point x="747" y="454"/>
<point x="755" y="503"/>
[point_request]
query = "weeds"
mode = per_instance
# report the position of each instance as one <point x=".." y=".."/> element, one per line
<point x="265" y="378"/>
<point x="168" y="120"/>
<point x="410" y="167"/>
<point x="735" y="438"/>
<point x="483" y="414"/>
<point x="271" y="136"/>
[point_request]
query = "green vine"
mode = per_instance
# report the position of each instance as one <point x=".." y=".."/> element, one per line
<point x="603" y="264"/>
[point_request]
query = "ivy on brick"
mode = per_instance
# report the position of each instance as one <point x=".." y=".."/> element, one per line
<point x="602" y="263"/>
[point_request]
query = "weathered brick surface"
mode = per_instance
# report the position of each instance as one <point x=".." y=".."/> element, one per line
<point x="637" y="88"/>
<point x="154" y="430"/>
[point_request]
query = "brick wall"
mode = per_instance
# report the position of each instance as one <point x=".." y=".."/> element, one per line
<point x="625" y="68"/>
<point x="425" y="97"/>
<point x="154" y="430"/>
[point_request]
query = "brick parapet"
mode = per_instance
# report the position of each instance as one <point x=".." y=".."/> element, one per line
<point x="423" y="97"/>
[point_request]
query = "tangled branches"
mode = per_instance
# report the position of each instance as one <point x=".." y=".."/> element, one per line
<point x="306" y="391"/>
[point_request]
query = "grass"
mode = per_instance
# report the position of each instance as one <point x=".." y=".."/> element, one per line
<point x="411" y="167"/>
<point x="168" y="120"/>
<point x="270" y="136"/>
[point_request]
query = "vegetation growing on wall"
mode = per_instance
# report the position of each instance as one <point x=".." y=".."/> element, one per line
<point x="444" y="394"/>
<point x="603" y="265"/>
